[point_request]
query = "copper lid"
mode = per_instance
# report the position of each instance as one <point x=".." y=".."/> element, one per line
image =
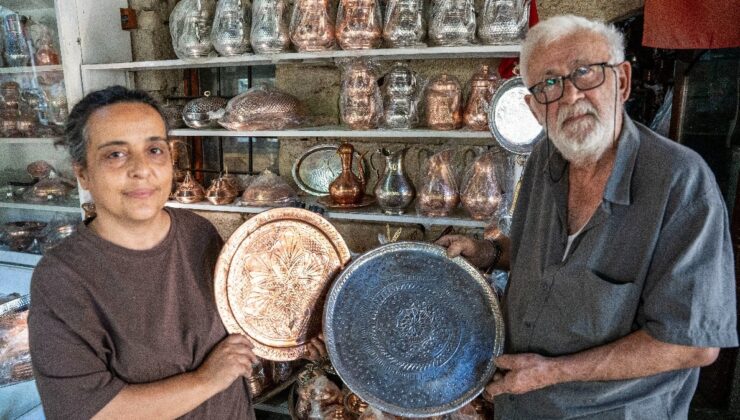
<point x="272" y="278"/>
<point x="484" y="75"/>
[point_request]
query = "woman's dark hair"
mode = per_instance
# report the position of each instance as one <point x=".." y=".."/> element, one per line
<point x="75" y="131"/>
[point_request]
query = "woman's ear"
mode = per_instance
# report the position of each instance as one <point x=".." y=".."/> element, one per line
<point x="82" y="175"/>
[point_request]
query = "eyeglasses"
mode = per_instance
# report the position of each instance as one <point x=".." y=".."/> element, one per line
<point x="585" y="77"/>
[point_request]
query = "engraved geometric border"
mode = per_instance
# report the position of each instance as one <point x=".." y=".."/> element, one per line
<point x="360" y="389"/>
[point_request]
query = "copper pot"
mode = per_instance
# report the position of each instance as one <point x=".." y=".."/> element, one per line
<point x="190" y="191"/>
<point x="482" y="195"/>
<point x="221" y="192"/>
<point x="312" y="26"/>
<point x="360" y="99"/>
<point x="347" y="188"/>
<point x="359" y="24"/>
<point x="439" y="194"/>
<point x="443" y="101"/>
<point x="482" y="87"/>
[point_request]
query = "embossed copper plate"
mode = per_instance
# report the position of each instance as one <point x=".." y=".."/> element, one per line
<point x="272" y="278"/>
<point x="411" y="331"/>
<point x="511" y="122"/>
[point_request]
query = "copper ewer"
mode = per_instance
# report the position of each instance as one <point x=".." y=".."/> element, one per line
<point x="482" y="87"/>
<point x="312" y="26"/>
<point x="358" y="24"/>
<point x="443" y="103"/>
<point x="347" y="188"/>
<point x="190" y="191"/>
<point x="482" y="194"/>
<point x="439" y="194"/>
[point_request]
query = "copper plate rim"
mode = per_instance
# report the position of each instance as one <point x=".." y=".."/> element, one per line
<point x="230" y="249"/>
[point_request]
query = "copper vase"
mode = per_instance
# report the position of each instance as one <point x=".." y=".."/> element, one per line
<point x="190" y="191"/>
<point x="443" y="102"/>
<point x="360" y="105"/>
<point x="358" y="24"/>
<point x="481" y="195"/>
<point x="312" y="26"/>
<point x="347" y="188"/>
<point x="439" y="194"/>
<point x="482" y="87"/>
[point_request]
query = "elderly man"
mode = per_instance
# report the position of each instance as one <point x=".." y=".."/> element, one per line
<point x="622" y="279"/>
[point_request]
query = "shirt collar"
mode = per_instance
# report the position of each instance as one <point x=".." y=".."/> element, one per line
<point x="618" y="186"/>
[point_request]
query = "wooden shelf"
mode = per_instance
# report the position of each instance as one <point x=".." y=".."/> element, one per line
<point x="472" y="51"/>
<point x="29" y="69"/>
<point x="28" y="140"/>
<point x="367" y="214"/>
<point x="336" y="131"/>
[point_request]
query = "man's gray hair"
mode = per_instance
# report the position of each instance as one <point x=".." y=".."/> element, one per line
<point x="557" y="27"/>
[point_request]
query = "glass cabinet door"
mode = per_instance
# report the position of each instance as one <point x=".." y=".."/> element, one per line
<point x="39" y="203"/>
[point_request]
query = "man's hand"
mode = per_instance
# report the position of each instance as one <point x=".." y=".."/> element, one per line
<point x="479" y="252"/>
<point x="316" y="349"/>
<point x="230" y="359"/>
<point x="520" y="373"/>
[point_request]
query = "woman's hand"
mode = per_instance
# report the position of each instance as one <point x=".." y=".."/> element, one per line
<point x="316" y="349"/>
<point x="230" y="359"/>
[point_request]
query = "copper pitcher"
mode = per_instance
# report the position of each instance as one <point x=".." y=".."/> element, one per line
<point x="190" y="191"/>
<point x="443" y="102"/>
<point x="439" y="194"/>
<point x="221" y="192"/>
<point x="348" y="188"/>
<point x="394" y="189"/>
<point x="483" y="85"/>
<point x="482" y="195"/>
<point x="360" y="105"/>
<point x="358" y="24"/>
<point x="312" y="26"/>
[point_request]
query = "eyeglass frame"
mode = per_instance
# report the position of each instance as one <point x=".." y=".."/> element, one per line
<point x="569" y="76"/>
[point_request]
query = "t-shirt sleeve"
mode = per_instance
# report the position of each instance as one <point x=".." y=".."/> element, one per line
<point x="689" y="295"/>
<point x="70" y="368"/>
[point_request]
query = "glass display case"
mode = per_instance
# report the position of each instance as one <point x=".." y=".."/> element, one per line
<point x="38" y="193"/>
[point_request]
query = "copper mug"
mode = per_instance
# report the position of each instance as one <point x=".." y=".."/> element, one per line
<point x="348" y="188"/>
<point x="443" y="100"/>
<point x="482" y="87"/>
<point x="358" y="24"/>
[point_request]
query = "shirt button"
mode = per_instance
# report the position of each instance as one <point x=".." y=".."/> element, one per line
<point x="527" y="324"/>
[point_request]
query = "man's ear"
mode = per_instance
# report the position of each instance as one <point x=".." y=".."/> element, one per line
<point x="82" y="175"/>
<point x="624" y="75"/>
<point x="532" y="104"/>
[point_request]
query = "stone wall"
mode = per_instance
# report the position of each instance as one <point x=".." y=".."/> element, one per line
<point x="320" y="92"/>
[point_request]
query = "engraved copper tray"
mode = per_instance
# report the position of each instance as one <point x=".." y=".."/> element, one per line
<point x="319" y="166"/>
<point x="411" y="331"/>
<point x="272" y="278"/>
<point x="511" y="121"/>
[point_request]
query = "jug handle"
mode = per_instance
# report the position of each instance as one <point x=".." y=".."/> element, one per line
<point x="375" y="169"/>
<point x="420" y="161"/>
<point x="361" y="168"/>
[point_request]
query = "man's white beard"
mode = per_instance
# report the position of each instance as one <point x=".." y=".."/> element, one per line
<point x="584" y="141"/>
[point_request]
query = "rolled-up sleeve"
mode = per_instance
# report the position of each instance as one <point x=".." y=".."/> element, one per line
<point x="689" y="295"/>
<point x="71" y="372"/>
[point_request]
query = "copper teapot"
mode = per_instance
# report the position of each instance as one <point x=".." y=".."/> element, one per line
<point x="312" y="26"/>
<point x="443" y="100"/>
<point x="348" y="188"/>
<point x="483" y="84"/>
<point x="221" y="192"/>
<point x="189" y="191"/>
<point x="358" y="24"/>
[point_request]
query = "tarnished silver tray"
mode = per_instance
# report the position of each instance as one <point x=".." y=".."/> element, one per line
<point x="511" y="121"/>
<point x="272" y="277"/>
<point x="411" y="331"/>
<point x="319" y="166"/>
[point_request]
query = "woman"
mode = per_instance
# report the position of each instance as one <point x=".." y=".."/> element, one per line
<point x="123" y="320"/>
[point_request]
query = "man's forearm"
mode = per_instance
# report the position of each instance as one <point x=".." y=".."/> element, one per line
<point x="633" y="356"/>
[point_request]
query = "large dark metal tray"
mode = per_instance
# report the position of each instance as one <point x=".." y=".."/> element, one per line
<point x="411" y="331"/>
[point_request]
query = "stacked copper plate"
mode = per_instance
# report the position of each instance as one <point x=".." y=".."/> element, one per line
<point x="272" y="278"/>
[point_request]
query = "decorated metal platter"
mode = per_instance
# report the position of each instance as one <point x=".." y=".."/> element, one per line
<point x="319" y="166"/>
<point x="511" y="121"/>
<point x="411" y="331"/>
<point x="272" y="278"/>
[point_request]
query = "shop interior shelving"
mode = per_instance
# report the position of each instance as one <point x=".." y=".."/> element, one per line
<point x="71" y="208"/>
<point x="336" y="131"/>
<point x="427" y="53"/>
<point x="30" y="69"/>
<point x="366" y="214"/>
<point x="23" y="259"/>
<point x="28" y="140"/>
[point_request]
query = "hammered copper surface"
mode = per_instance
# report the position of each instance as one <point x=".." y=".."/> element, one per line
<point x="411" y="331"/>
<point x="312" y="26"/>
<point x="189" y="191"/>
<point x="263" y="108"/>
<point x="272" y="277"/>
<point x="359" y="24"/>
<point x="443" y="103"/>
<point x="482" y="87"/>
<point x="347" y="188"/>
<point x="221" y="192"/>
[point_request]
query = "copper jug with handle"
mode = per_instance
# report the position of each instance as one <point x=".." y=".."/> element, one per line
<point x="348" y="188"/>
